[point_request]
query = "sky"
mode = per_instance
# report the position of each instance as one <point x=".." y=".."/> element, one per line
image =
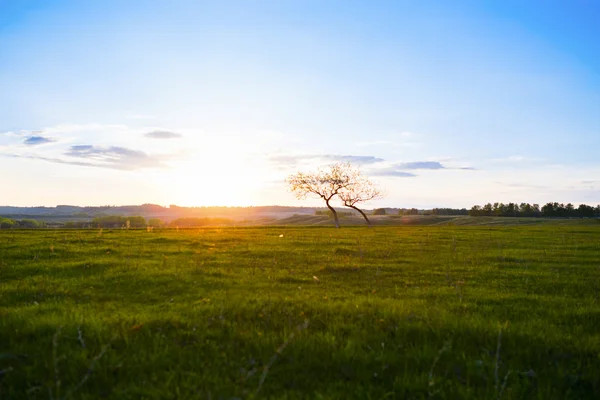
<point x="200" y="103"/>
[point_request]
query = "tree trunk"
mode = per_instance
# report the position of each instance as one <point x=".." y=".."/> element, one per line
<point x="335" y="217"/>
<point x="363" y="214"/>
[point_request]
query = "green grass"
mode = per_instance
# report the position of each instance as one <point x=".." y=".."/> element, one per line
<point x="422" y="220"/>
<point x="414" y="312"/>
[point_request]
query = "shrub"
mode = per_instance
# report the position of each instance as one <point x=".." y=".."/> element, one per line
<point x="6" y="223"/>
<point x="117" y="221"/>
<point x="155" y="222"/>
<point x="28" y="223"/>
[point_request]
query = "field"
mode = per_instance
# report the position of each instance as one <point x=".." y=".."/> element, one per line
<point x="398" y="312"/>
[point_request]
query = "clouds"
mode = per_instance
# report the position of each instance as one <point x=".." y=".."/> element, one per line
<point x="288" y="160"/>
<point x="109" y="146"/>
<point x="114" y="157"/>
<point x="379" y="165"/>
<point x="515" y="159"/>
<point x="399" y="169"/>
<point x="162" y="135"/>
<point x="355" y="159"/>
<point x="122" y="147"/>
<point x="419" y="165"/>
<point x="522" y="185"/>
<point x="373" y="165"/>
<point x="37" y="140"/>
<point x="391" y="172"/>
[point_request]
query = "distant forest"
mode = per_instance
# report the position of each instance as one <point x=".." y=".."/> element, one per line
<point x="533" y="210"/>
<point x="549" y="210"/>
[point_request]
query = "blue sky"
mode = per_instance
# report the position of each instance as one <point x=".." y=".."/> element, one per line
<point x="205" y="103"/>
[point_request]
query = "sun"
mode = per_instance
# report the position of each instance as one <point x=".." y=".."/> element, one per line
<point x="213" y="179"/>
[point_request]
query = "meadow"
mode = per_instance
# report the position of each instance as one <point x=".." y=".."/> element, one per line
<point x="391" y="312"/>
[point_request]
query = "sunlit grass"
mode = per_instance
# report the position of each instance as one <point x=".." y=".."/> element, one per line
<point x="388" y="312"/>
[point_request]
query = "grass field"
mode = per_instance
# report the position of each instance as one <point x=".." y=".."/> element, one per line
<point x="509" y="312"/>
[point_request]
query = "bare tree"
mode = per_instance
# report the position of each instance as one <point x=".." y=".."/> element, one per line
<point x="360" y="190"/>
<point x="325" y="184"/>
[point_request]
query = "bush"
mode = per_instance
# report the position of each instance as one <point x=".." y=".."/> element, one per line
<point x="6" y="223"/>
<point x="380" y="211"/>
<point x="136" y="222"/>
<point x="29" y="223"/>
<point x="155" y="223"/>
<point x="117" y="221"/>
<point x="408" y="211"/>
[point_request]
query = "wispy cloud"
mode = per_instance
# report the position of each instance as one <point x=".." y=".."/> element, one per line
<point x="105" y="146"/>
<point x="37" y="140"/>
<point x="375" y="166"/>
<point x="114" y="157"/>
<point x="514" y="159"/>
<point x="54" y="160"/>
<point x="401" y="169"/>
<point x="355" y="159"/>
<point x="162" y="135"/>
<point x="289" y="160"/>
<point x="14" y="134"/>
<point x="391" y="172"/>
<point x="419" y="165"/>
<point x="522" y="185"/>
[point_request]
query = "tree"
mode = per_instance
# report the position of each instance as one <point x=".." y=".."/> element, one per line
<point x="155" y="222"/>
<point x="360" y="190"/>
<point x="487" y="210"/>
<point x="136" y="222"/>
<point x="569" y="210"/>
<point x="525" y="209"/>
<point x="339" y="179"/>
<point x="585" y="211"/>
<point x="117" y="221"/>
<point x="6" y="223"/>
<point x="549" y="210"/>
<point x="511" y="210"/>
<point x="497" y="209"/>
<point x="28" y="223"/>
<point x="408" y="211"/>
<point x="475" y="211"/>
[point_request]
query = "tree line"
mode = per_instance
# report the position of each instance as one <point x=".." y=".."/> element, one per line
<point x="8" y="223"/>
<point x="552" y="209"/>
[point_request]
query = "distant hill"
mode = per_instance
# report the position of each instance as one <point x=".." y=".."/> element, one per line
<point x="63" y="215"/>
<point x="69" y="212"/>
